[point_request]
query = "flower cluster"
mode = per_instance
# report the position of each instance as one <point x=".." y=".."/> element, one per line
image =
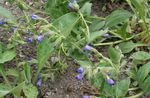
<point x="40" y="36"/>
<point x="39" y="39"/>
<point x="80" y="71"/>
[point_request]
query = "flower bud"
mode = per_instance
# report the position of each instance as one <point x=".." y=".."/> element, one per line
<point x="39" y="82"/>
<point x="106" y="35"/>
<point x="87" y="48"/>
<point x="34" y="17"/>
<point x="110" y="81"/>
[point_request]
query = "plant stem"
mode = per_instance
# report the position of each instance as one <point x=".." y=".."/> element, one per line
<point x="87" y="28"/>
<point x="136" y="96"/>
<point x="131" y="89"/>
<point x="119" y="41"/>
<point x="105" y="58"/>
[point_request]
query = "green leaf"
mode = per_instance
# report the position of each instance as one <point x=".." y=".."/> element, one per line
<point x="122" y="88"/>
<point x="139" y="7"/>
<point x="4" y="89"/>
<point x="127" y="47"/>
<point x="143" y="72"/>
<point x="84" y="63"/>
<point x="86" y="9"/>
<point x="66" y="23"/>
<point x="143" y="78"/>
<point x="12" y="72"/>
<point x="30" y="91"/>
<point x="115" y="55"/>
<point x="27" y="72"/>
<point x="141" y="55"/>
<point x="17" y="90"/>
<point x="109" y="90"/>
<point x="117" y="17"/>
<point x="7" y="56"/>
<point x="56" y="8"/>
<point x="44" y="51"/>
<point x="96" y="25"/>
<point x="146" y="85"/>
<point x="5" y="13"/>
<point x="123" y="32"/>
<point x="95" y="35"/>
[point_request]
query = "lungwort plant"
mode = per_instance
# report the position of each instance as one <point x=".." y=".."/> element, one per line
<point x="108" y="50"/>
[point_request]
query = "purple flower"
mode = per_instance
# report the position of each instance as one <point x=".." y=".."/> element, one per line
<point x="30" y="33"/>
<point x="85" y="96"/>
<point x="30" y="58"/>
<point x="39" y="82"/>
<point x="2" y="23"/>
<point x="87" y="48"/>
<point x="79" y="77"/>
<point x="30" y="40"/>
<point x="110" y="81"/>
<point x="40" y="38"/>
<point x="80" y="70"/>
<point x="73" y="5"/>
<point x="106" y="35"/>
<point x="34" y="17"/>
<point x="74" y="1"/>
<point x="70" y="6"/>
<point x="14" y="29"/>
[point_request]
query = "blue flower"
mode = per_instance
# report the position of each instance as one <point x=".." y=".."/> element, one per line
<point x="30" y="58"/>
<point x="39" y="82"/>
<point x="70" y="6"/>
<point x="40" y="38"/>
<point x="106" y="35"/>
<point x="30" y="40"/>
<point x="2" y="23"/>
<point x="80" y="70"/>
<point x="74" y="1"/>
<point x="85" y="96"/>
<point x="110" y="81"/>
<point x="87" y="48"/>
<point x="79" y="77"/>
<point x="14" y="29"/>
<point x="30" y="33"/>
<point x="34" y="17"/>
<point x="73" y="5"/>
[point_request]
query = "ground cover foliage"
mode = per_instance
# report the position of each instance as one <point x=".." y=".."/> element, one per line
<point x="110" y="51"/>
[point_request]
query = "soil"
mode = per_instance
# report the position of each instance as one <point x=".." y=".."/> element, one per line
<point x="105" y="7"/>
<point x="67" y="86"/>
